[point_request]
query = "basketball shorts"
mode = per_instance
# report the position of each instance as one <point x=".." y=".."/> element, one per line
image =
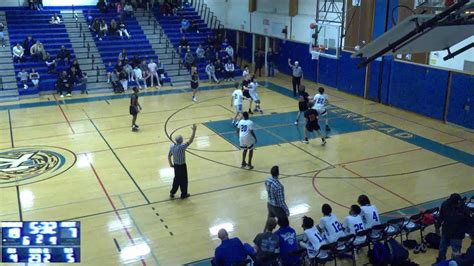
<point x="312" y="126"/>
<point x="238" y="108"/>
<point x="303" y="106"/>
<point x="322" y="111"/>
<point x="246" y="94"/>
<point x="254" y="96"/>
<point x="247" y="142"/>
<point x="133" y="110"/>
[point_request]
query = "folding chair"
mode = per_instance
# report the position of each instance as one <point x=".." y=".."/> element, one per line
<point x="361" y="240"/>
<point x="394" y="228"/>
<point x="413" y="224"/>
<point x="377" y="233"/>
<point x="344" y="246"/>
<point x="327" y="249"/>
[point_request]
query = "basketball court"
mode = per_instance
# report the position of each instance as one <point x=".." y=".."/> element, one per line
<point x="116" y="182"/>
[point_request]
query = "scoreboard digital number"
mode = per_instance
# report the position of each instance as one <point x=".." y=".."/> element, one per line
<point x="40" y="242"/>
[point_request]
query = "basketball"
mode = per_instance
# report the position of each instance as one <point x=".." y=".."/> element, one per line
<point x="312" y="26"/>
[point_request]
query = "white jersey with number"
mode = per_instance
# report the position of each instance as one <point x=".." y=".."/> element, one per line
<point x="320" y="101"/>
<point x="253" y="91"/>
<point x="238" y="97"/>
<point x="353" y="225"/>
<point x="245" y="137"/>
<point x="331" y="227"/>
<point x="313" y="241"/>
<point x="370" y="216"/>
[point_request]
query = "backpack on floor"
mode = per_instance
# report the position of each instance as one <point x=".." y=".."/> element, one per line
<point x="398" y="254"/>
<point x="432" y="240"/>
<point x="379" y="255"/>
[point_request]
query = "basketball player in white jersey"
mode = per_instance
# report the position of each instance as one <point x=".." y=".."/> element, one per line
<point x="237" y="101"/>
<point x="369" y="213"/>
<point x="353" y="224"/>
<point x="312" y="239"/>
<point x="254" y="95"/>
<point x="320" y="101"/>
<point x="247" y="139"/>
<point x="329" y="225"/>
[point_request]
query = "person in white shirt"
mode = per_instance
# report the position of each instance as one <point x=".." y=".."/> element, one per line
<point x="237" y="101"/>
<point x="34" y="77"/>
<point x="138" y="75"/>
<point x="200" y="52"/>
<point x="246" y="71"/>
<point x="230" y="51"/>
<point x="353" y="224"/>
<point x="320" y="101"/>
<point x="329" y="225"/>
<point x="254" y="95"/>
<point x="247" y="139"/>
<point x="312" y="239"/>
<point x="55" y="19"/>
<point x="229" y="71"/>
<point x="153" y="67"/>
<point x="369" y="213"/>
<point x="18" y="53"/>
<point x="211" y="72"/>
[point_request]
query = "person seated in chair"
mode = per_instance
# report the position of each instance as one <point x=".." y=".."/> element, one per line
<point x="50" y="63"/>
<point x="122" y="30"/>
<point x="369" y="214"/>
<point x="37" y="51"/>
<point x="64" y="55"/>
<point x="330" y="225"/>
<point x="312" y="239"/>
<point x="103" y="29"/>
<point x="230" y="252"/>
<point x="267" y="245"/>
<point x="288" y="243"/>
<point x="353" y="224"/>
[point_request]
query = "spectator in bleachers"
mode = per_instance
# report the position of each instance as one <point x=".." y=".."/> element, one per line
<point x="129" y="70"/>
<point x="2" y="34"/>
<point x="259" y="62"/>
<point x="453" y="220"/>
<point x="369" y="213"/>
<point x="210" y="54"/>
<point x="23" y="76"/>
<point x="138" y="76"/>
<point x="96" y="27"/>
<point x="89" y="19"/>
<point x="288" y="243"/>
<point x="64" y="55"/>
<point x="165" y="9"/>
<point x="123" y="80"/>
<point x="113" y="29"/>
<point x="161" y="70"/>
<point x="245" y="71"/>
<point x="211" y="72"/>
<point x="208" y="41"/>
<point x="230" y="252"/>
<point x="102" y="6"/>
<point x="115" y="80"/>
<point x="330" y="225"/>
<point x="220" y="70"/>
<point x="185" y="24"/>
<point x="229" y="71"/>
<point x="271" y="60"/>
<point x="64" y="84"/>
<point x="153" y="68"/>
<point x="34" y="77"/>
<point x="18" y="53"/>
<point x="136" y="60"/>
<point x="267" y="245"/>
<point x="119" y="8"/>
<point x="50" y="63"/>
<point x="145" y="71"/>
<point x="73" y="74"/>
<point x="200" y="53"/>
<point x="353" y="224"/>
<point x="27" y="43"/>
<point x="128" y="9"/>
<point x="230" y="52"/>
<point x="312" y="239"/>
<point x="224" y="44"/>
<point x="188" y="59"/>
<point x="103" y="29"/>
<point x="122" y="30"/>
<point x="183" y="44"/>
<point x="110" y="69"/>
<point x="118" y="66"/>
<point x="76" y="65"/>
<point x="55" y="19"/>
<point x="35" y="4"/>
<point x="123" y="55"/>
<point x="83" y="83"/>
<point x="194" y="27"/>
<point x="37" y="51"/>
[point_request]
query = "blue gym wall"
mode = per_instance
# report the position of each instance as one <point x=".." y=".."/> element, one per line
<point x="412" y="87"/>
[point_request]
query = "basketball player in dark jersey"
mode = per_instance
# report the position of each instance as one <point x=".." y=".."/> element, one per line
<point x="135" y="108"/>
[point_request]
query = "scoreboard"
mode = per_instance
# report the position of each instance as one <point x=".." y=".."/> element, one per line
<point x="40" y="242"/>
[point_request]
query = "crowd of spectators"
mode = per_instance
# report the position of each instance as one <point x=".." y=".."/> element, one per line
<point x="33" y="50"/>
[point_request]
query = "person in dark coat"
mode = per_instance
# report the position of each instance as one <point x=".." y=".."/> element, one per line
<point x="27" y="43"/>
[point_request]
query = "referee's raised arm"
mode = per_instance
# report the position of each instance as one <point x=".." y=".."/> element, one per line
<point x="191" y="139"/>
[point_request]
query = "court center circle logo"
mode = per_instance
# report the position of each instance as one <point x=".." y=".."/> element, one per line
<point x="27" y="165"/>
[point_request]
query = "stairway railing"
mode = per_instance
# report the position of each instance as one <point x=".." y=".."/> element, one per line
<point x="208" y="16"/>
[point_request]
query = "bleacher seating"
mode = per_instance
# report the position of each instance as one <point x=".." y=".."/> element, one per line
<point x="23" y="22"/>
<point x="171" y="26"/>
<point x="111" y="46"/>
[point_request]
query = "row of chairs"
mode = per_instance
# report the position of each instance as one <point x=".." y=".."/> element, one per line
<point x="347" y="245"/>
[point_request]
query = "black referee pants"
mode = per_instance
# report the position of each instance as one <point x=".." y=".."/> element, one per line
<point x="180" y="180"/>
<point x="296" y="84"/>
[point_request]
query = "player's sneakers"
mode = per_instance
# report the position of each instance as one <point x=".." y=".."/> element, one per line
<point x="185" y="196"/>
<point x="250" y="112"/>
<point x="306" y="141"/>
<point x="137" y="126"/>
<point x="261" y="111"/>
<point x="134" y="128"/>
<point x="255" y="110"/>
<point x="250" y="167"/>
<point x="194" y="99"/>
<point x="243" y="165"/>
<point x="68" y="95"/>
<point x="327" y="128"/>
<point x="62" y="96"/>
<point x="323" y="142"/>
<point x="172" y="196"/>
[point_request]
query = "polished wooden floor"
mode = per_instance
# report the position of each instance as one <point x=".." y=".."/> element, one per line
<point x="119" y="186"/>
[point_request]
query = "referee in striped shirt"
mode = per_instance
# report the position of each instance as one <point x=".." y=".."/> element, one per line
<point x="178" y="152"/>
